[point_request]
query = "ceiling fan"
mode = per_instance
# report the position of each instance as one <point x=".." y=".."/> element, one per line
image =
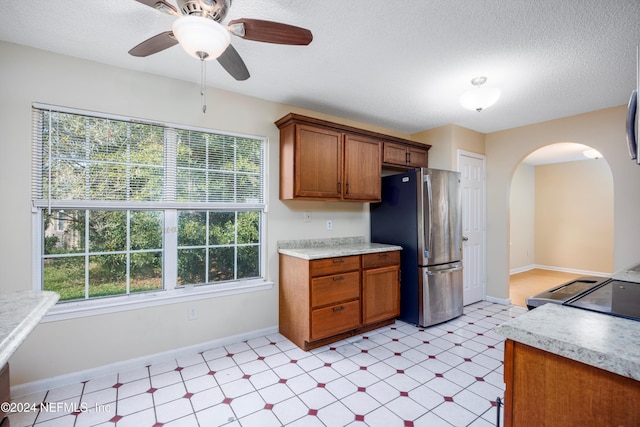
<point x="200" y="31"/>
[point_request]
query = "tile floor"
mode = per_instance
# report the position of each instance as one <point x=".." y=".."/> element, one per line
<point x="399" y="375"/>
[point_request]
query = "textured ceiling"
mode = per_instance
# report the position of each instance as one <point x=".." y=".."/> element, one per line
<point x="400" y="67"/>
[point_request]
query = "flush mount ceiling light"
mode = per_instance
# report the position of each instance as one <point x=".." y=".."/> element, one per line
<point x="480" y="97"/>
<point x="592" y="154"/>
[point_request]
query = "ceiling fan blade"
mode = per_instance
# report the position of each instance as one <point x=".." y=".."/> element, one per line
<point x="231" y="61"/>
<point x="270" y="32"/>
<point x="155" y="44"/>
<point x="160" y="5"/>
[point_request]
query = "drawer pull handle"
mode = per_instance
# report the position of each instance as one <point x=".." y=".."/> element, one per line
<point x="383" y="255"/>
<point x="335" y="309"/>
<point x="338" y="261"/>
<point x="336" y="278"/>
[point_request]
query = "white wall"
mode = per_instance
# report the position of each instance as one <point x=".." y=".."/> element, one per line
<point x="602" y="130"/>
<point x="522" y="230"/>
<point x="58" y="348"/>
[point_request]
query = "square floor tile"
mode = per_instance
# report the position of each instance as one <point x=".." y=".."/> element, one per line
<point x="444" y="375"/>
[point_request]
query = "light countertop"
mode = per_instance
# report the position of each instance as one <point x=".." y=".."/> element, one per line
<point x="600" y="340"/>
<point x="331" y="248"/>
<point x="20" y="312"/>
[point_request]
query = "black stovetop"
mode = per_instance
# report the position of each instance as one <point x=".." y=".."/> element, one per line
<point x="614" y="297"/>
<point x="599" y="294"/>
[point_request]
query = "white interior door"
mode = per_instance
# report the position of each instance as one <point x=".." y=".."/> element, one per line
<point x="472" y="168"/>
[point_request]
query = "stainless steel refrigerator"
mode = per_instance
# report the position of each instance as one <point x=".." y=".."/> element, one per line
<point x="420" y="211"/>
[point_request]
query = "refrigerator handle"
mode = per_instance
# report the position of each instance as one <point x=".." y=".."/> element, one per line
<point x="427" y="233"/>
<point x="448" y="270"/>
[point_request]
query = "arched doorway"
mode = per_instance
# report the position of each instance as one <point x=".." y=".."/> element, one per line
<point x="561" y="219"/>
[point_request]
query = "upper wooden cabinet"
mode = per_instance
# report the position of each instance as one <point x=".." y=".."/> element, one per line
<point x="362" y="168"/>
<point x="404" y="155"/>
<point x="321" y="160"/>
<point x="318" y="164"/>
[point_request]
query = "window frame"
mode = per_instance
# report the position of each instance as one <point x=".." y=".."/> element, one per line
<point x="172" y="292"/>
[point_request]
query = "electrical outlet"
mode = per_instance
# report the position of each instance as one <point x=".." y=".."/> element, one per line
<point x="192" y="313"/>
<point x="307" y="217"/>
<point x="329" y="224"/>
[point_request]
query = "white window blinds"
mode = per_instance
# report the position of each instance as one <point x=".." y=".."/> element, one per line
<point x="89" y="160"/>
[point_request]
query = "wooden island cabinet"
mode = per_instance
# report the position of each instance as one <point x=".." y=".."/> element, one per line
<point x="544" y="389"/>
<point x="325" y="300"/>
<point x="321" y="160"/>
<point x="566" y="366"/>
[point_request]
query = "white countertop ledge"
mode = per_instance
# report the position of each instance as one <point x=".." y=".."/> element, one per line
<point x="606" y="342"/>
<point x="20" y="313"/>
<point x="339" y="250"/>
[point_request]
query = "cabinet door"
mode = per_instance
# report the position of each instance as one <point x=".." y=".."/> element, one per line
<point x="318" y="163"/>
<point x="380" y="294"/>
<point x="417" y="157"/>
<point x="395" y="154"/>
<point x="362" y="168"/>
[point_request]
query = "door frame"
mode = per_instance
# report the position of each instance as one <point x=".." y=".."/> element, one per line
<point x="483" y="247"/>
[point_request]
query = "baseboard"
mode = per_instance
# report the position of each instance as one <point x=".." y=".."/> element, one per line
<point x="125" y="365"/>
<point x="522" y="269"/>
<point x="560" y="269"/>
<point x="501" y="301"/>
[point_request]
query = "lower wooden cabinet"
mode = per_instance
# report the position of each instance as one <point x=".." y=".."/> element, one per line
<point x="544" y="389"/>
<point x="325" y="300"/>
<point x="380" y="286"/>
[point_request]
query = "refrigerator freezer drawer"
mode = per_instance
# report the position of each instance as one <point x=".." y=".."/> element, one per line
<point x="440" y="294"/>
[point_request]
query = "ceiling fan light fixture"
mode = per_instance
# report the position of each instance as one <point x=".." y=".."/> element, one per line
<point x="480" y="97"/>
<point x="592" y="154"/>
<point x="202" y="38"/>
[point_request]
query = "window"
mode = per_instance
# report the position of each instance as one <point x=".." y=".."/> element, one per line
<point x="125" y="207"/>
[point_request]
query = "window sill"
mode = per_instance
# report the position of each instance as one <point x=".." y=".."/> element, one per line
<point x="78" y="309"/>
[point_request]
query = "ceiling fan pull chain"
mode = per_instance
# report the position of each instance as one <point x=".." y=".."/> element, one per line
<point x="203" y="84"/>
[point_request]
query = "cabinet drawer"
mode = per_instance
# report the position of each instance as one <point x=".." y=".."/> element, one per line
<point x="326" y="266"/>
<point x="335" y="319"/>
<point x="333" y="289"/>
<point x="380" y="259"/>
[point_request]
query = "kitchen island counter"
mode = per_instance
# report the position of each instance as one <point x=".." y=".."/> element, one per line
<point x="20" y="313"/>
<point x="599" y="340"/>
<point x="565" y="366"/>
